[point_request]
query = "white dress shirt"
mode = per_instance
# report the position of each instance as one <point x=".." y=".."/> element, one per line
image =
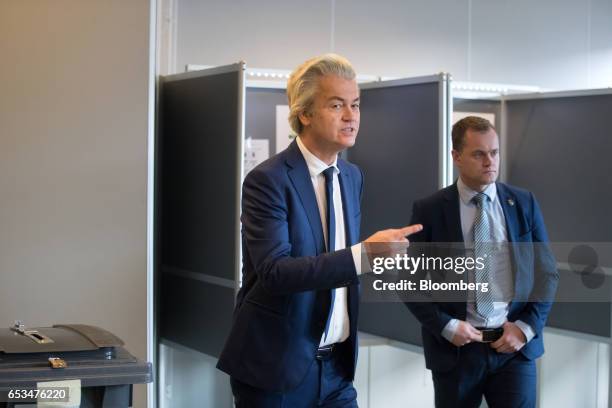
<point x="500" y="273"/>
<point x="339" y="329"/>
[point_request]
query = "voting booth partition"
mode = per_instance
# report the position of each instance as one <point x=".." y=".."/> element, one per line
<point x="205" y="117"/>
<point x="556" y="146"/>
<point x="199" y="173"/>
<point x="401" y="150"/>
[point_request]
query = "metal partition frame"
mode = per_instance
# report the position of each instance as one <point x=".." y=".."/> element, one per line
<point x="446" y="106"/>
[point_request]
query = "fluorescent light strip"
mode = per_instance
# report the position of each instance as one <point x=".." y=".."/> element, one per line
<point x="492" y="88"/>
<point x="275" y="75"/>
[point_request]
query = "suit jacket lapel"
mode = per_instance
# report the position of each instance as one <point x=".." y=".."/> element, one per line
<point x="300" y="177"/>
<point x="452" y="217"/>
<point x="346" y="189"/>
<point x="451" y="214"/>
<point x="508" y="203"/>
<point x="348" y="205"/>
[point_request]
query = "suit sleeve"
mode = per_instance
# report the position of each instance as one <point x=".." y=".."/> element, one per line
<point x="546" y="276"/>
<point x="427" y="312"/>
<point x="265" y="227"/>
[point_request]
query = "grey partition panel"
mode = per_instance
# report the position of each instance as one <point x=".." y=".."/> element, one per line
<point x="390" y="320"/>
<point x="198" y="172"/>
<point x="479" y="105"/>
<point x="397" y="149"/>
<point x="260" y="109"/>
<point x="199" y="168"/>
<point x="581" y="302"/>
<point x="558" y="148"/>
<point x="589" y="318"/>
<point x="195" y="314"/>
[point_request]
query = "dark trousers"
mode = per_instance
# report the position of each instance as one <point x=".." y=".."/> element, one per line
<point x="505" y="380"/>
<point x="323" y="386"/>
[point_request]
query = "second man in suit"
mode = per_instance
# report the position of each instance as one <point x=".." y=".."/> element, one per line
<point x="486" y="343"/>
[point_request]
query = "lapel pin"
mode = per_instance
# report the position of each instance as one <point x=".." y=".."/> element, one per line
<point x="511" y="202"/>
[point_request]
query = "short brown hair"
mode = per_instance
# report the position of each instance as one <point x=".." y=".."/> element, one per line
<point x="474" y="123"/>
<point x="304" y="82"/>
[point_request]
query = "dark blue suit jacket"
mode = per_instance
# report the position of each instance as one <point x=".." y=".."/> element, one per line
<point x="284" y="301"/>
<point x="535" y="273"/>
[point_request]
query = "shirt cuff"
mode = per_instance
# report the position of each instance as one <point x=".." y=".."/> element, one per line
<point x="448" y="332"/>
<point x="526" y="329"/>
<point x="362" y="265"/>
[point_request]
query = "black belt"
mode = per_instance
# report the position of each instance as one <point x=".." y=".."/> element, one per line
<point x="490" y="335"/>
<point x="325" y="352"/>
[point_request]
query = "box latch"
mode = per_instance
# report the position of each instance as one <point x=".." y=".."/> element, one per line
<point x="34" y="335"/>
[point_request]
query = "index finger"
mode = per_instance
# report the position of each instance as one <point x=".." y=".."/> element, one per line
<point x="411" y="229"/>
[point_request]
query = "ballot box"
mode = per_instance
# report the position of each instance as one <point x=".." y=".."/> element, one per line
<point x="54" y="365"/>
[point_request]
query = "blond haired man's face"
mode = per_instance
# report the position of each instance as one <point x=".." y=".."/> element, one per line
<point x="333" y="121"/>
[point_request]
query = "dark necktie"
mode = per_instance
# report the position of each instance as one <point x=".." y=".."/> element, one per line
<point x="482" y="234"/>
<point x="331" y="231"/>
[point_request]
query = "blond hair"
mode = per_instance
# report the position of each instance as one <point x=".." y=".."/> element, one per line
<point x="304" y="81"/>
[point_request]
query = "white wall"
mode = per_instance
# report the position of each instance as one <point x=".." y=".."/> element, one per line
<point x="392" y="377"/>
<point x="555" y="44"/>
<point x="73" y="165"/>
<point x="265" y="33"/>
<point x="189" y="378"/>
<point x="573" y="372"/>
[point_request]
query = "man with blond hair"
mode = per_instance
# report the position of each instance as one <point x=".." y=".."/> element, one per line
<point x="294" y="337"/>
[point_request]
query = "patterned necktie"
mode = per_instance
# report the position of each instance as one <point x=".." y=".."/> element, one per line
<point x="331" y="231"/>
<point x="482" y="234"/>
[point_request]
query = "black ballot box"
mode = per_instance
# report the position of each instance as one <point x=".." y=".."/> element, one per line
<point x="63" y="352"/>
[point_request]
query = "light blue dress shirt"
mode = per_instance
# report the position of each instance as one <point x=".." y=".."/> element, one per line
<point x="500" y="272"/>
